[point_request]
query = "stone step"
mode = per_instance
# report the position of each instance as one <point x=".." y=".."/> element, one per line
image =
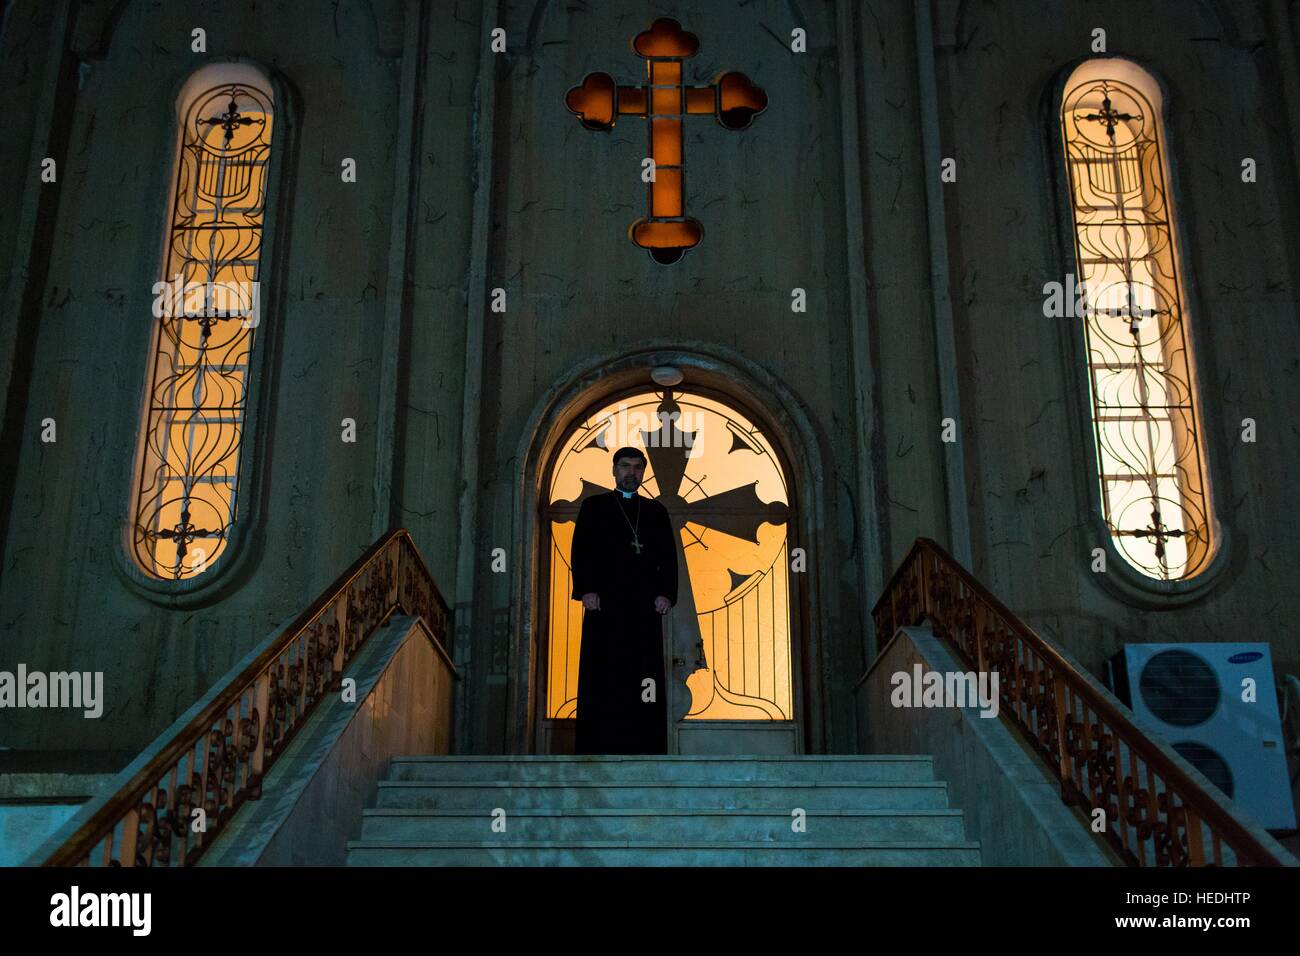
<point x="675" y="826"/>
<point x="484" y="796"/>
<point x="34" y="803"/>
<point x="624" y="853"/>
<point x="727" y="769"/>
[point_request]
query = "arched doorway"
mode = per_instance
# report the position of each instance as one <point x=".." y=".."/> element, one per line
<point x="730" y="649"/>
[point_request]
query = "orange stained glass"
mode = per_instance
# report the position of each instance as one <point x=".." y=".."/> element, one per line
<point x="1151" y="476"/>
<point x="729" y="505"/>
<point x="666" y="38"/>
<point x="737" y="93"/>
<point x="632" y="100"/>
<point x="700" y="100"/>
<point x="187" y="481"/>
<point x="666" y="87"/>
<point x="666" y="235"/>
<point x="666" y="142"/>
<point x="594" y="100"/>
<point x="666" y="193"/>
<point x="664" y="99"/>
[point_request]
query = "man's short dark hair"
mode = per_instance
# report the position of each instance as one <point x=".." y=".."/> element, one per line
<point x="627" y="451"/>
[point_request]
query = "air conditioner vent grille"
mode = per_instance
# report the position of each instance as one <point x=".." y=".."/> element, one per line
<point x="1207" y="762"/>
<point x="1180" y="688"/>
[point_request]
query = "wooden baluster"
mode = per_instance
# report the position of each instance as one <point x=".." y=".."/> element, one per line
<point x="1062" y="755"/>
<point x="1091" y="759"/>
<point x="1032" y="699"/>
<point x="173" y="823"/>
<point x="261" y="710"/>
<point x="1121" y="792"/>
<point x="1017" y="650"/>
<point x="1153" y="813"/>
<point x="1137" y="807"/>
<point x="184" y="820"/>
<point x="108" y="848"/>
<point x="1047" y="714"/>
<point x="340" y="612"/>
<point x="262" y="704"/>
<point x="244" y="764"/>
<point x="130" y="836"/>
<point x="881" y="639"/>
<point x="1195" y="842"/>
<point x="397" y="559"/>
<point x="924" y="603"/>
<point x="300" y="644"/>
<point x="202" y="840"/>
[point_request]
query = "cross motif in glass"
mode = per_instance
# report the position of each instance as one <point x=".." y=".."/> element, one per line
<point x="738" y="511"/>
<point x="1110" y="116"/>
<point x="230" y="120"/>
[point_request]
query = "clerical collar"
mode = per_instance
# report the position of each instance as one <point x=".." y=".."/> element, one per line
<point x="627" y="494"/>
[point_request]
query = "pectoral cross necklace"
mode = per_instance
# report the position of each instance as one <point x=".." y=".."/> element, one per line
<point x="636" y="540"/>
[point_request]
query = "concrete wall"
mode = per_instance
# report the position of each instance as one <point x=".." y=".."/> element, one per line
<point x="313" y="797"/>
<point x="34" y="805"/>
<point x="772" y="202"/>
<point x="340" y="78"/>
<point x="1230" y="90"/>
<point x="473" y="176"/>
<point x="1011" y="798"/>
<point x="1011" y="803"/>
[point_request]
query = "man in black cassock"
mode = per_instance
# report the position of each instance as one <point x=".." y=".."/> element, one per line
<point x="625" y="574"/>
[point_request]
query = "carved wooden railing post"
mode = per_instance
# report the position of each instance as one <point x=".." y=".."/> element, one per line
<point x="262" y="706"/>
<point x="130" y="837"/>
<point x="1121" y="792"/>
<point x="205" y="763"/>
<point x="339" y="613"/>
<point x="1062" y="751"/>
<point x="923" y="586"/>
<point x="981" y="651"/>
<point x="394" y="558"/>
<point x="1159" y="823"/>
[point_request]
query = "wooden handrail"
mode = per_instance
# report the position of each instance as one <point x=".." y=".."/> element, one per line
<point x="217" y="759"/>
<point x="1155" y="813"/>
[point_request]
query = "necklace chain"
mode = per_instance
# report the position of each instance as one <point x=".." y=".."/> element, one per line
<point x="636" y="540"/>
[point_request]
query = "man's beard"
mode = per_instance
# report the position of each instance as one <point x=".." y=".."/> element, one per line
<point x="628" y="484"/>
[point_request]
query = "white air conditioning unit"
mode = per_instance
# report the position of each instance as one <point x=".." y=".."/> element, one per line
<point x="1191" y="695"/>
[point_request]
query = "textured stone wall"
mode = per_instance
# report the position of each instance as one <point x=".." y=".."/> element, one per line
<point x="1227" y="96"/>
<point x="473" y="176"/>
<point x="64" y="604"/>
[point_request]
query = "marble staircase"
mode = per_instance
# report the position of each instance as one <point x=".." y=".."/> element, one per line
<point x="860" y="810"/>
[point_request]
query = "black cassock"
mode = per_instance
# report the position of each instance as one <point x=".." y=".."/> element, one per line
<point x="622" y="643"/>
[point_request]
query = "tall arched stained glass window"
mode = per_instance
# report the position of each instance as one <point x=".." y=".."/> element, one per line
<point x="206" y="309"/>
<point x="1141" y="375"/>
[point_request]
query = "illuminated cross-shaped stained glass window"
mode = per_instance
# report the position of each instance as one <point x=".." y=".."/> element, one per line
<point x="725" y="491"/>
<point x="1145" y="422"/>
<point x="664" y="101"/>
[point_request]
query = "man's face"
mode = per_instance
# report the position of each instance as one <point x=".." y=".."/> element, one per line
<point x="628" y="473"/>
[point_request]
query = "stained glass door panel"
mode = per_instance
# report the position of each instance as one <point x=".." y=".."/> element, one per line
<point x="726" y="492"/>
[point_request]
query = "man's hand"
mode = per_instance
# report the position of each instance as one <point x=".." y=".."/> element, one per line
<point x="591" y="601"/>
<point x="663" y="605"/>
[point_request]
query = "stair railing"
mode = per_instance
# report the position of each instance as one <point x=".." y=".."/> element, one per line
<point x="1155" y="814"/>
<point x="175" y="805"/>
